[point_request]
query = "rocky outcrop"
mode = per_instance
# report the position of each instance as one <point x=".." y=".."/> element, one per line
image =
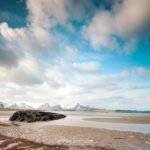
<point x="33" y="115"/>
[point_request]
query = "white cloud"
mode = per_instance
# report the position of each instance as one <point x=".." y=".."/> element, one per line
<point x="45" y="13"/>
<point x="7" y="54"/>
<point x="70" y="53"/>
<point x="27" y="72"/>
<point x="48" y="13"/>
<point x="27" y="38"/>
<point x="126" y="20"/>
<point x="87" y="67"/>
<point x="136" y="87"/>
<point x="55" y="77"/>
<point x="105" y="91"/>
<point x="142" y="71"/>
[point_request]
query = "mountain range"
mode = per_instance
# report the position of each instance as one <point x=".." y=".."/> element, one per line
<point x="14" y="106"/>
<point x="56" y="107"/>
<point x="45" y="107"/>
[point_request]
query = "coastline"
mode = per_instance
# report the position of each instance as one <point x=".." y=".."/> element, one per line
<point x="75" y="137"/>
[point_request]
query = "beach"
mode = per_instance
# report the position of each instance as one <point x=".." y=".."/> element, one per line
<point x="80" y="130"/>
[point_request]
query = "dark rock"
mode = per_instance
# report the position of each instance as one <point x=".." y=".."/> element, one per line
<point x="33" y="115"/>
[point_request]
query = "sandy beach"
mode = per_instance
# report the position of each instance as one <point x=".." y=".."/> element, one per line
<point x="55" y="135"/>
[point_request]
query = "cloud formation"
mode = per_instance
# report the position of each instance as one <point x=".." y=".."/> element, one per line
<point x="37" y="67"/>
<point x="142" y="71"/>
<point x="8" y="58"/>
<point x="87" y="67"/>
<point x="46" y="13"/>
<point x="127" y="20"/>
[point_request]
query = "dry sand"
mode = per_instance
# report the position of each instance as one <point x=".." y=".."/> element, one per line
<point x="72" y="138"/>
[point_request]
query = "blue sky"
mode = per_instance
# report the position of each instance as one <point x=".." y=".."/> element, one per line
<point x="93" y="52"/>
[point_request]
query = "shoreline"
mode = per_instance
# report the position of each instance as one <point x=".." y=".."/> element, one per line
<point x="76" y="137"/>
<point x="119" y="122"/>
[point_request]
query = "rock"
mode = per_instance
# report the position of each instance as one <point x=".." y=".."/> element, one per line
<point x="34" y="115"/>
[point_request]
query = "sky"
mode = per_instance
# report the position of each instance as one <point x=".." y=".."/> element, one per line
<point x="92" y="52"/>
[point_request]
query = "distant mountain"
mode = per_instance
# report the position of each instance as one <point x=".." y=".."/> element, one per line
<point x="24" y="106"/>
<point x="14" y="106"/>
<point x="45" y="106"/>
<point x="48" y="107"/>
<point x="19" y="106"/>
<point x="93" y="109"/>
<point x="1" y="105"/>
<point x="55" y="107"/>
<point x="131" y="111"/>
<point x="78" y="107"/>
<point x="6" y="105"/>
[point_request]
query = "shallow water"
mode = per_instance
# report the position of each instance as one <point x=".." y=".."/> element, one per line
<point x="79" y="121"/>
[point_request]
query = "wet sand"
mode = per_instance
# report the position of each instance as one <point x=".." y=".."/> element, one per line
<point x="145" y="119"/>
<point x="71" y="137"/>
